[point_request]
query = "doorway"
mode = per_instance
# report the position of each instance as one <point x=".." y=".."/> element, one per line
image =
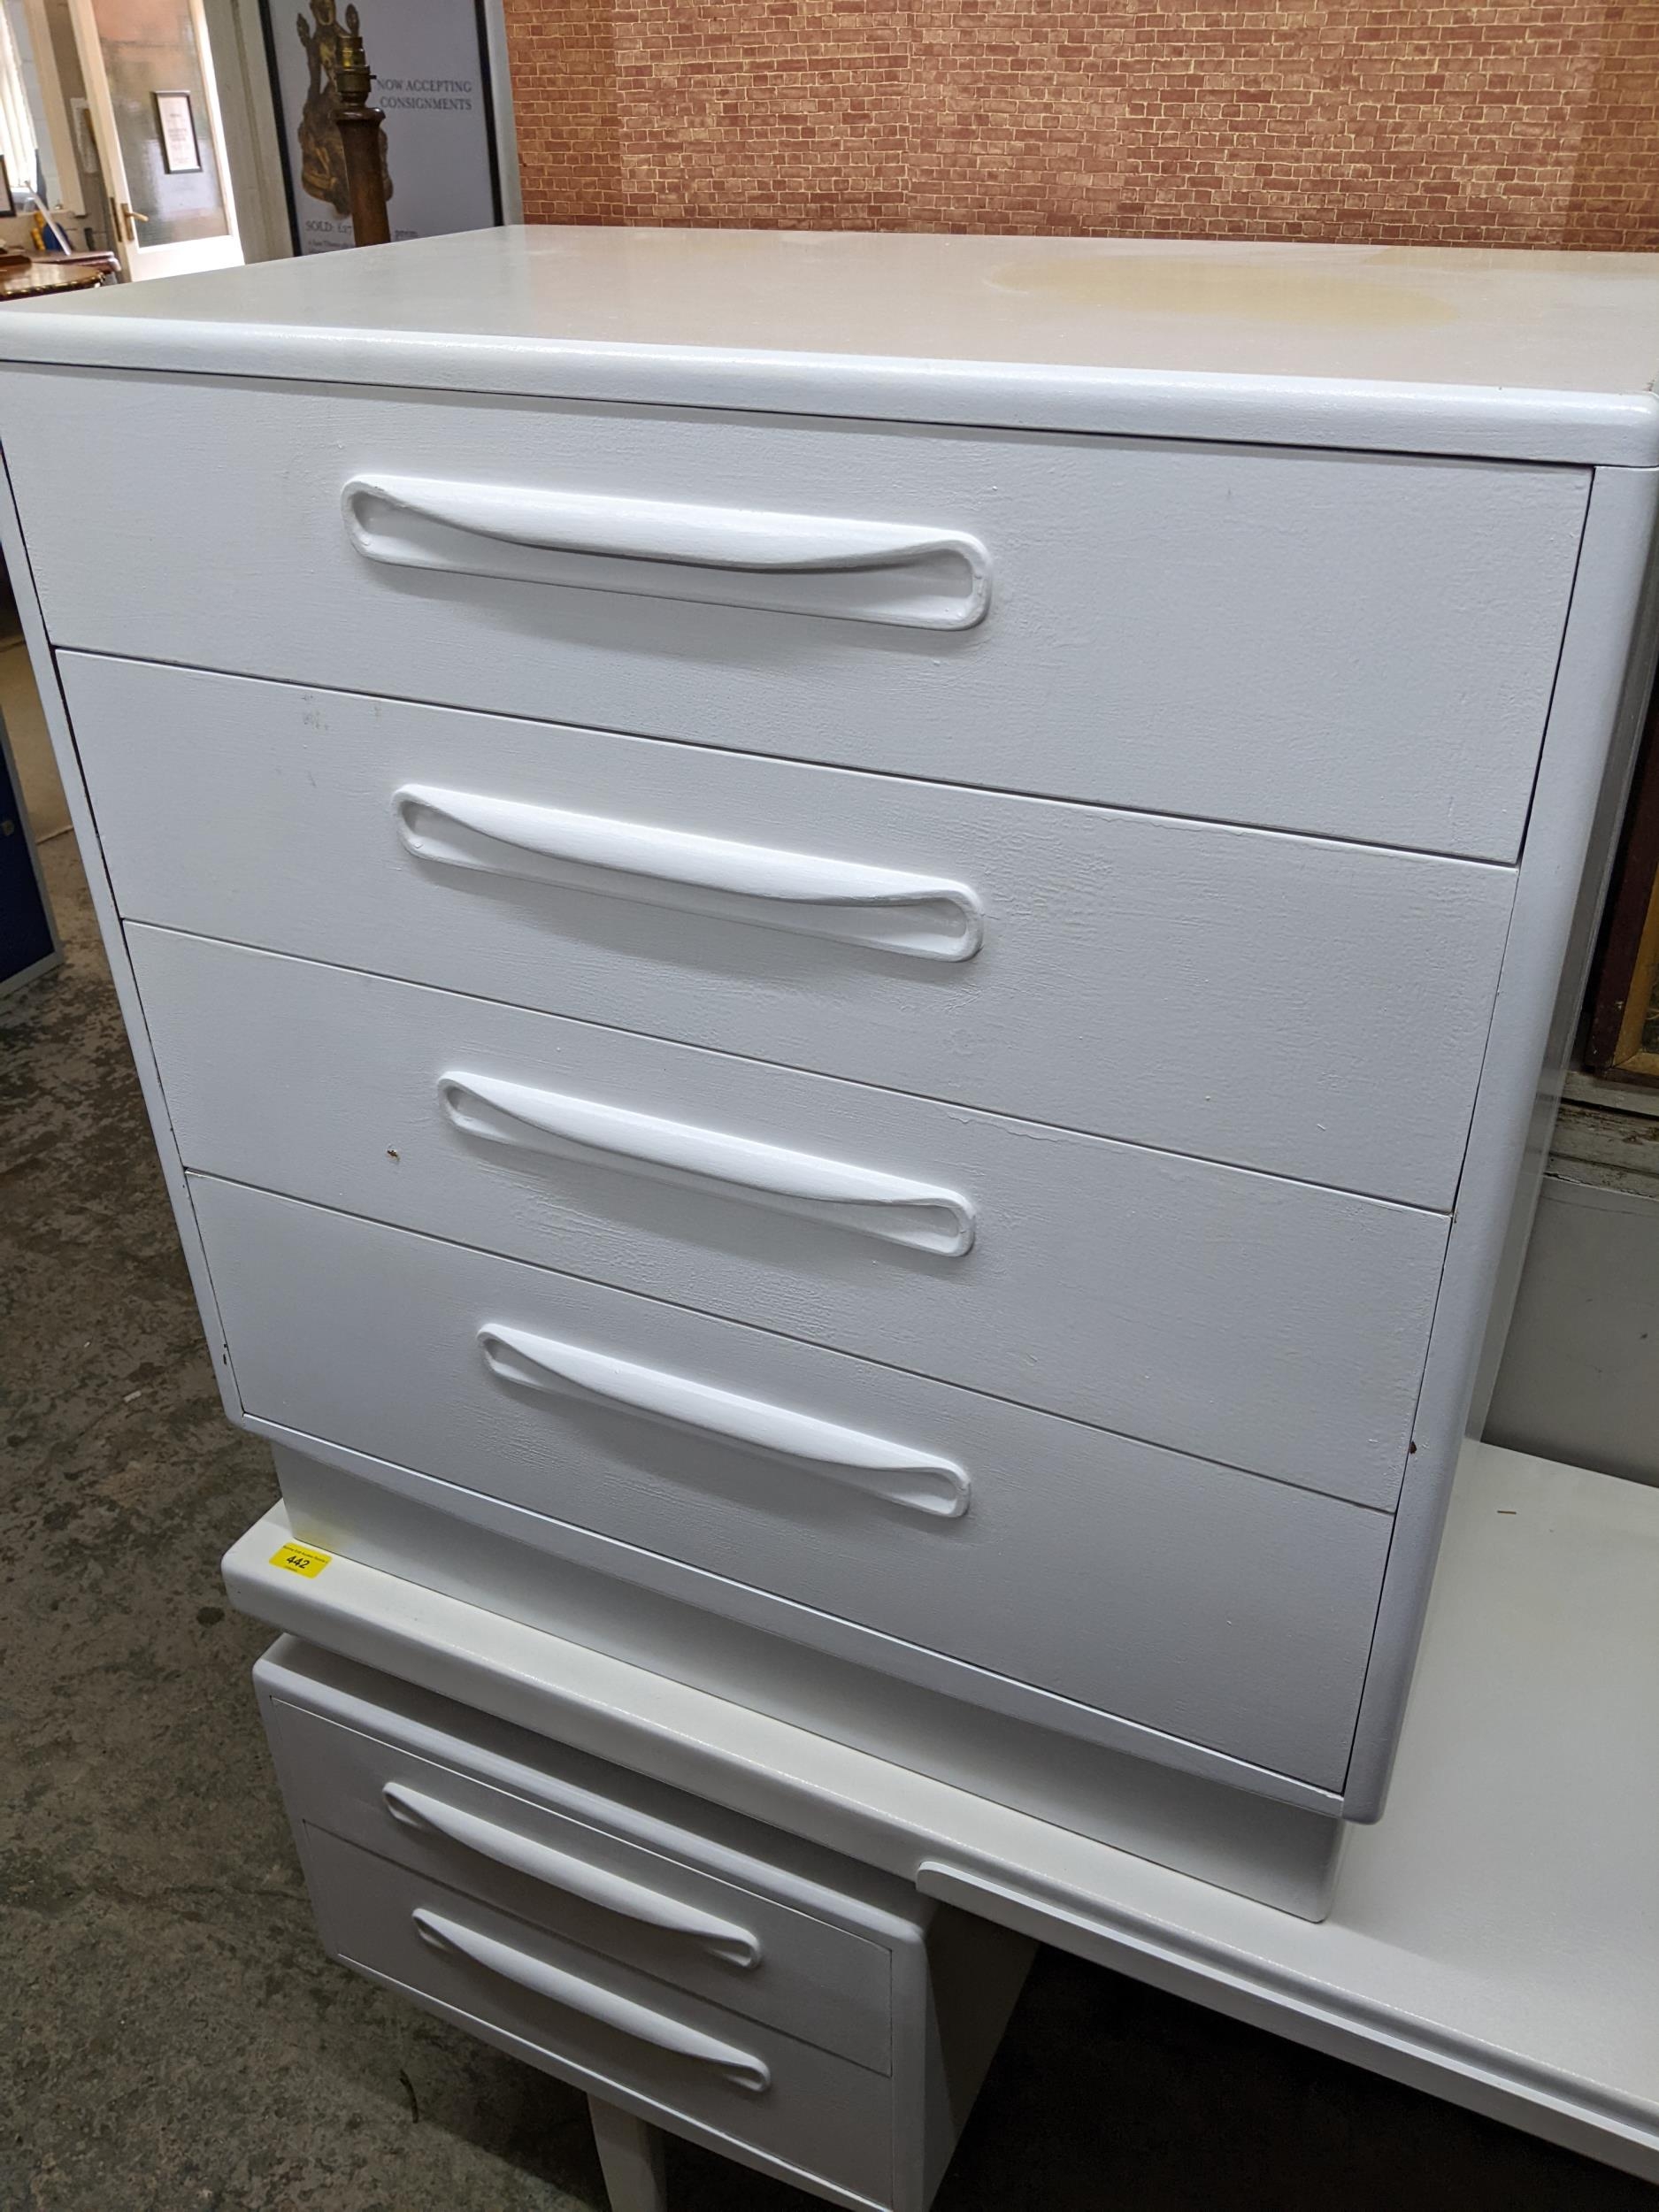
<point x="155" y="111"/>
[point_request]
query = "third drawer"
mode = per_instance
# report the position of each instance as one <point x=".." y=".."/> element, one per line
<point x="1191" y="1599"/>
<point x="1313" y="1008"/>
<point x="1273" y="1324"/>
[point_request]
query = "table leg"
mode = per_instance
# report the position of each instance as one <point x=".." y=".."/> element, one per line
<point x="630" y="2158"/>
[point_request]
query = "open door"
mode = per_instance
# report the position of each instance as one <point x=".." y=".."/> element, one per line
<point x="150" y="87"/>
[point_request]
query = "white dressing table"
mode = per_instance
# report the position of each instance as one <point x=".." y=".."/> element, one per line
<point x="1493" y="1940"/>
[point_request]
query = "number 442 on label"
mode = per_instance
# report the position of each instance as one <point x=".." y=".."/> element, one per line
<point x="300" y="1559"/>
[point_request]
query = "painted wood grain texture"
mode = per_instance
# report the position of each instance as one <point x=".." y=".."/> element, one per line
<point x="1514" y="124"/>
<point x="1190" y="1598"/>
<point x="1189" y="629"/>
<point x="1317" y="1009"/>
<point x="1269" y="1324"/>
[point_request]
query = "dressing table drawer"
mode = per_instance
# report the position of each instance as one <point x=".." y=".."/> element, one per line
<point x="651" y="1910"/>
<point x="597" y="2024"/>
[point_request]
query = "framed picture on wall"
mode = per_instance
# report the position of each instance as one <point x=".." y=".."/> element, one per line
<point x="8" y="205"/>
<point x="175" y="121"/>
<point x="433" y="82"/>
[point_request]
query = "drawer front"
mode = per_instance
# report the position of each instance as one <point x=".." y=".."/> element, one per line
<point x="1269" y="1324"/>
<point x="675" y="1922"/>
<point x="1350" y="644"/>
<point x="600" y="2024"/>
<point x="1185" y="1597"/>
<point x="1069" y="964"/>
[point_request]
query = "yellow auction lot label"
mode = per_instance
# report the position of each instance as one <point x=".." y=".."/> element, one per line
<point x="300" y="1559"/>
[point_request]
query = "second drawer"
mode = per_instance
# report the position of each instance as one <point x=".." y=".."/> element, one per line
<point x="1272" y="1325"/>
<point x="1187" y="1598"/>
<point x="1073" y="965"/>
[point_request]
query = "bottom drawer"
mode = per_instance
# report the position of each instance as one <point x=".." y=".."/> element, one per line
<point x="974" y="1545"/>
<point x="743" y="2089"/>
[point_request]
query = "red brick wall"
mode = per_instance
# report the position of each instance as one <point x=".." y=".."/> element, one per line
<point x="1493" y="122"/>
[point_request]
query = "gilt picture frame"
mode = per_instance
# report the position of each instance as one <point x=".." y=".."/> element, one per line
<point x="1622" y="1037"/>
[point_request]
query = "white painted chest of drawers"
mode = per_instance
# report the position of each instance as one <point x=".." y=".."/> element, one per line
<point x="843" y="945"/>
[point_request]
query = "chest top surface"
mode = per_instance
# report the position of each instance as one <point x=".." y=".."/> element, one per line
<point x="1503" y="353"/>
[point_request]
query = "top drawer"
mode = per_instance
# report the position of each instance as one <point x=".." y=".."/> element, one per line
<point x="1354" y="645"/>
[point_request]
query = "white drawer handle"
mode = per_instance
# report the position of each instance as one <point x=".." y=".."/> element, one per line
<point x="884" y="907"/>
<point x="890" y="572"/>
<point x="918" y="1480"/>
<point x="593" y="2001"/>
<point x="861" y="1198"/>
<point x="559" y="1869"/>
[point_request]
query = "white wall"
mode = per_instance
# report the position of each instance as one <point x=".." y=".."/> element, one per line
<point x="1580" y="1374"/>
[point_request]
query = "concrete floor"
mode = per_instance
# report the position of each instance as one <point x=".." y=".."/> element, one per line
<point x="170" y="2038"/>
